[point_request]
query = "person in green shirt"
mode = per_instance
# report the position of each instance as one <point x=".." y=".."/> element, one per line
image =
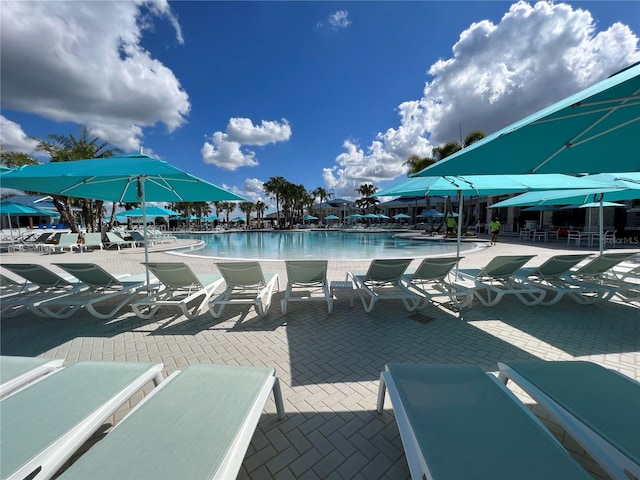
<point x="451" y="226"/>
<point x="495" y="230"/>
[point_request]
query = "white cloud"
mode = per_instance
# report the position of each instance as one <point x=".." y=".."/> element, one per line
<point x="340" y="19"/>
<point x="498" y="73"/>
<point x="13" y="138"/>
<point x="224" y="149"/>
<point x="84" y="63"/>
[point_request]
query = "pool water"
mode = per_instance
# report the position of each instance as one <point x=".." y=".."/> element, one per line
<point x="310" y="244"/>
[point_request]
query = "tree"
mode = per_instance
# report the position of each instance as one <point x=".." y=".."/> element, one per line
<point x="275" y="187"/>
<point x="63" y="148"/>
<point x="417" y="163"/>
<point x="247" y="208"/>
<point x="473" y="137"/>
<point x="322" y="194"/>
<point x="368" y="200"/>
<point x="260" y="208"/>
<point x="15" y="159"/>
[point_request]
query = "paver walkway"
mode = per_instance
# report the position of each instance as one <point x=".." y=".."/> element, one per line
<point x="329" y="365"/>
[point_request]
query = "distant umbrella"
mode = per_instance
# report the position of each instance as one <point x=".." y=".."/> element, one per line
<point x="331" y="217"/>
<point x="151" y="210"/>
<point x="399" y="216"/>
<point x="433" y="213"/>
<point x="309" y="217"/>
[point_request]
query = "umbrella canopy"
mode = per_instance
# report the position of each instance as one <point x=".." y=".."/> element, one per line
<point x="399" y="216"/>
<point x="210" y="218"/>
<point x="151" y="210"/>
<point x="11" y="208"/>
<point x="592" y="205"/>
<point x="119" y="179"/>
<point x="182" y="217"/>
<point x="309" y="217"/>
<point x="126" y="179"/>
<point x="433" y="213"/>
<point x="486" y="184"/>
<point x="573" y="135"/>
<point x="382" y="216"/>
<point x="237" y="219"/>
<point x="355" y="216"/>
<point x="331" y="217"/>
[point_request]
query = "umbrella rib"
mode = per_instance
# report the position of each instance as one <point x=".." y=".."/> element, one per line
<point x="635" y="103"/>
<point x="571" y="143"/>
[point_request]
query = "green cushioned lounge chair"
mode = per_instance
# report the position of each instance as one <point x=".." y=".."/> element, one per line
<point x="179" y="287"/>
<point x="246" y="284"/>
<point x="459" y="423"/>
<point x="598" y="407"/>
<point x="49" y="285"/>
<point x="103" y="294"/>
<point x="431" y="280"/>
<point x="497" y="279"/>
<point x="44" y="424"/>
<point x="16" y="372"/>
<point x="383" y="281"/>
<point x="306" y="281"/>
<point x="197" y="425"/>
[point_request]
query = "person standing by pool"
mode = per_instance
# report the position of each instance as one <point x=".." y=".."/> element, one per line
<point x="495" y="230"/>
<point x="451" y="225"/>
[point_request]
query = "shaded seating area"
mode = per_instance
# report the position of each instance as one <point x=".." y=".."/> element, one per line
<point x="431" y="280"/>
<point x="246" y="284"/>
<point x="598" y="407"/>
<point x="17" y="372"/>
<point x="179" y="287"/>
<point x="197" y="425"/>
<point x="497" y="279"/>
<point x="306" y="281"/>
<point x="457" y="422"/>
<point x="44" y="424"/>
<point x="383" y="280"/>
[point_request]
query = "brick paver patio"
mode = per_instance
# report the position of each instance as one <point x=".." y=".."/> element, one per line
<point x="329" y="365"/>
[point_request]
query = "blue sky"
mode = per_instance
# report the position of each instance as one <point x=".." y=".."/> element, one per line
<point x="325" y="94"/>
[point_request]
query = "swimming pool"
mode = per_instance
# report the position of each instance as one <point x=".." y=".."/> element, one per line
<point x="308" y="244"/>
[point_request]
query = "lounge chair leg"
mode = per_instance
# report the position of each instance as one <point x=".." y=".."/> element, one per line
<point x="381" y="394"/>
<point x="277" y="394"/>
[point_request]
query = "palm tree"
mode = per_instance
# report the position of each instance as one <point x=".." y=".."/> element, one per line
<point x="368" y="200"/>
<point x="15" y="159"/>
<point x="63" y="148"/>
<point x="274" y="187"/>
<point x="260" y="208"/>
<point x="417" y="163"/>
<point x="247" y="208"/>
<point x="322" y="194"/>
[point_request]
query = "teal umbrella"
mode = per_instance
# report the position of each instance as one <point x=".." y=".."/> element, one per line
<point x="399" y="216"/>
<point x="616" y="186"/>
<point x="151" y="211"/>
<point x="237" y="219"/>
<point x="309" y="217"/>
<point x="331" y="217"/>
<point x="210" y="218"/>
<point x="574" y="135"/>
<point x="126" y="179"/>
<point x="9" y="208"/>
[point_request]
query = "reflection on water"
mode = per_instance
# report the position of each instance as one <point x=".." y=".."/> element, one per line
<point x="309" y="244"/>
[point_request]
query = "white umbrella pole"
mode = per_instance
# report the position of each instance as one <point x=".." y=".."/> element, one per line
<point x="144" y="229"/>
<point x="459" y="239"/>
<point x="601" y="226"/>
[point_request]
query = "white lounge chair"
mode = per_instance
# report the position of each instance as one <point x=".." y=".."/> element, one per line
<point x="92" y="240"/>
<point x="306" y="281"/>
<point x="49" y="285"/>
<point x="595" y="274"/>
<point x="383" y="281"/>
<point x="246" y="284"/>
<point x="100" y="290"/>
<point x="44" y="424"/>
<point x="16" y="372"/>
<point x="551" y="276"/>
<point x="67" y="241"/>
<point x="197" y="425"/>
<point x="457" y="422"/>
<point x="496" y="279"/>
<point x="180" y="287"/>
<point x="115" y="240"/>
<point x="430" y="280"/>
<point x="598" y="407"/>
